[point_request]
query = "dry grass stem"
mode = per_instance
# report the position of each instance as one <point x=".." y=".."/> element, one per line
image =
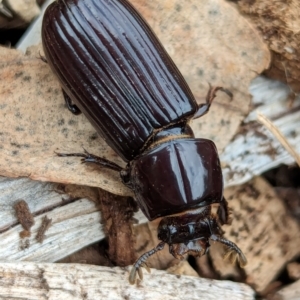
<point x="280" y="137"/>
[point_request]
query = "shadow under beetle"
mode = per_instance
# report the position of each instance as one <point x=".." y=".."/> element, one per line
<point x="113" y="69"/>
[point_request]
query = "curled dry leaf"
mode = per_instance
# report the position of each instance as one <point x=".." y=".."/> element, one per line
<point x="208" y="40"/>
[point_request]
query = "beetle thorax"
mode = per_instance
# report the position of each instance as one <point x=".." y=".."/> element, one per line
<point x="176" y="131"/>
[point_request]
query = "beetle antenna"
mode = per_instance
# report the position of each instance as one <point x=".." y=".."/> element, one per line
<point x="141" y="262"/>
<point x="233" y="253"/>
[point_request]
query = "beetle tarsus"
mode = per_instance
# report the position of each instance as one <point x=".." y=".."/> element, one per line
<point x="141" y="262"/>
<point x="233" y="252"/>
<point x="90" y="158"/>
<point x="71" y="107"/>
<point x="234" y="257"/>
<point x="43" y="58"/>
<point x="211" y="95"/>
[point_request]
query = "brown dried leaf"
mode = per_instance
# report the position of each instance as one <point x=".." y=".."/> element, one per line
<point x="24" y="216"/>
<point x="209" y="41"/>
<point x="182" y="268"/>
<point x="117" y="213"/>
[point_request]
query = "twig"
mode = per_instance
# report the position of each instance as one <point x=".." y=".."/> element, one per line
<point x="280" y="137"/>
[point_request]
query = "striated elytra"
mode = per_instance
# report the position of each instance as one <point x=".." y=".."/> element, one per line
<point x="113" y="69"/>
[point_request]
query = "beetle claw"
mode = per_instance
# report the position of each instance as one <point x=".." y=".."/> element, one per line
<point x="146" y="267"/>
<point x="234" y="257"/>
<point x="132" y="275"/>
<point x="233" y="252"/>
<point x="141" y="262"/>
<point x="138" y="270"/>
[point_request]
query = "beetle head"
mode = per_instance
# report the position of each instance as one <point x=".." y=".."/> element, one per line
<point x="190" y="233"/>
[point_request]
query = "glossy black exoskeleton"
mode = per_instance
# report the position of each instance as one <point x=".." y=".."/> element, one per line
<point x="113" y="68"/>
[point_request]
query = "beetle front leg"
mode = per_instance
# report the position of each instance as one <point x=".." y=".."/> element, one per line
<point x="71" y="107"/>
<point x="43" y="58"/>
<point x="224" y="212"/>
<point x="211" y="94"/>
<point x="233" y="252"/>
<point x="90" y="158"/>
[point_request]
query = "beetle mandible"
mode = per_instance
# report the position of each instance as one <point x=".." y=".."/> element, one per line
<point x="113" y="69"/>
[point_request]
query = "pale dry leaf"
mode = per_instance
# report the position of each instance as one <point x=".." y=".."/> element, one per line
<point x="35" y="124"/>
<point x="18" y="13"/>
<point x="290" y="292"/>
<point x="209" y="41"/>
<point x="24" y="9"/>
<point x="293" y="270"/>
<point x="263" y="229"/>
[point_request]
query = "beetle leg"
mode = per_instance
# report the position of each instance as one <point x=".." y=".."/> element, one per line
<point x="90" y="158"/>
<point x="211" y="94"/>
<point x="141" y="262"/>
<point x="71" y="107"/>
<point x="42" y="58"/>
<point x="224" y="212"/>
<point x="233" y="252"/>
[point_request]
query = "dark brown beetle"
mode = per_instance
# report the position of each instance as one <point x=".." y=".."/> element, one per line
<point x="113" y="68"/>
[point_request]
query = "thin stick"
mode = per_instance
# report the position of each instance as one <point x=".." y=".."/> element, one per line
<point x="280" y="137"/>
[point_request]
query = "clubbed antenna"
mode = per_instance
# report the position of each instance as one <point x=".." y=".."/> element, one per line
<point x="233" y="253"/>
<point x="141" y="262"/>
